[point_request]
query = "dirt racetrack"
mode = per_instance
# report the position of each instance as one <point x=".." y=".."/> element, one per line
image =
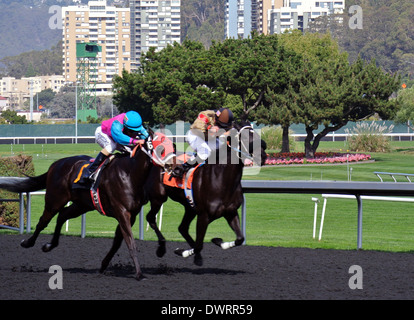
<point x="242" y="273"/>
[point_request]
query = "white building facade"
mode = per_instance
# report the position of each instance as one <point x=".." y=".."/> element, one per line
<point x="274" y="16"/>
<point x="297" y="14"/>
<point x="154" y="24"/>
<point x="107" y="26"/>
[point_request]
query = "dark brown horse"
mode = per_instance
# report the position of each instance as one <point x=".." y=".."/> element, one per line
<point x="121" y="191"/>
<point x="216" y="188"/>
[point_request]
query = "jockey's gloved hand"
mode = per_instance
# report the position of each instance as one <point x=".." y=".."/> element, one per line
<point x="138" y="141"/>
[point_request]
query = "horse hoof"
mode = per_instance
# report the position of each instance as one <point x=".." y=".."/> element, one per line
<point x="141" y="277"/>
<point x="26" y="244"/>
<point x="47" y="247"/>
<point x="217" y="241"/>
<point x="198" y="260"/>
<point x="184" y="253"/>
<point x="160" y="252"/>
<point x="179" y="252"/>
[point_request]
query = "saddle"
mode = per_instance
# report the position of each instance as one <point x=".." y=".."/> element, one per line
<point x="82" y="182"/>
<point x="185" y="182"/>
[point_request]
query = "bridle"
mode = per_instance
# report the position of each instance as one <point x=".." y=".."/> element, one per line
<point x="242" y="143"/>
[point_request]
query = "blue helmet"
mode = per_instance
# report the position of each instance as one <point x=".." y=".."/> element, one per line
<point x="133" y="121"/>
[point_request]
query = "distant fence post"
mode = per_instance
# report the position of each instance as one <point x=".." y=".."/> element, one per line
<point x="21" y="213"/>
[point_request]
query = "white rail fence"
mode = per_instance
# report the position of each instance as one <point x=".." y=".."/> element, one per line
<point x="394" y="176"/>
<point x="383" y="191"/>
<point x="91" y="139"/>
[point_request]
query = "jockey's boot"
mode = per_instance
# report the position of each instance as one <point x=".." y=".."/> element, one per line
<point x="95" y="165"/>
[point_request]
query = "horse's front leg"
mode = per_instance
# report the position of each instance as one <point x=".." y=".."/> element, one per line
<point x="151" y="218"/>
<point x="201" y="229"/>
<point x="184" y="226"/>
<point x="125" y="221"/>
<point x="116" y="244"/>
<point x="196" y="246"/>
<point x="234" y="223"/>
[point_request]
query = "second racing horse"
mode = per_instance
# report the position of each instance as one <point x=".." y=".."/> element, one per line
<point x="217" y="191"/>
<point x="121" y="195"/>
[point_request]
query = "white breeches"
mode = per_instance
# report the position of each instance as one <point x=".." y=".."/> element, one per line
<point x="105" y="141"/>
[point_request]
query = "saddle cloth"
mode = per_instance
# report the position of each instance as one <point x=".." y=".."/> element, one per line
<point x="81" y="182"/>
<point x="185" y="182"/>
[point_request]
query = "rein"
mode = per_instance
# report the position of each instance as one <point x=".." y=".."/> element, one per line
<point x="241" y="153"/>
<point x="152" y="154"/>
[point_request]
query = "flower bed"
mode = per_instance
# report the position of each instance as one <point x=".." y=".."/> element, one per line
<point x="320" y="158"/>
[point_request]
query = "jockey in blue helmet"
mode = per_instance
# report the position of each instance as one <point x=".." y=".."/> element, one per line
<point x="125" y="129"/>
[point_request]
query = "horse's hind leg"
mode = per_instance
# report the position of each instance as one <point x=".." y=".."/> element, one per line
<point x="43" y="222"/>
<point x="116" y="244"/>
<point x="65" y="214"/>
<point x="53" y="205"/>
<point x="234" y="223"/>
<point x="151" y="218"/>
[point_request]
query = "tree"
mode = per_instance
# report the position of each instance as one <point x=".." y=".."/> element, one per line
<point x="279" y="105"/>
<point x="172" y="84"/>
<point x="248" y="67"/>
<point x="44" y="97"/>
<point x="129" y="95"/>
<point x="181" y="80"/>
<point x="11" y="117"/>
<point x="325" y="89"/>
<point x="63" y="105"/>
<point x="406" y="113"/>
<point x="342" y="93"/>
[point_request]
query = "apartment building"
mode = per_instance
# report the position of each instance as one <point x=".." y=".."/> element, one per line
<point x="107" y="26"/>
<point x="4" y="103"/>
<point x="297" y="14"/>
<point x="17" y="91"/>
<point x="274" y="16"/>
<point x="154" y="24"/>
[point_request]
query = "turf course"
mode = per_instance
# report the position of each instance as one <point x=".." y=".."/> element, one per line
<point x="272" y="219"/>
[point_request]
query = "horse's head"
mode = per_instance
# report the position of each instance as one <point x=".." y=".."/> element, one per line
<point x="159" y="149"/>
<point x="249" y="144"/>
<point x="147" y="147"/>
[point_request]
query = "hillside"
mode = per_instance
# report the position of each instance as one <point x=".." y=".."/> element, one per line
<point x="25" y="28"/>
<point x="387" y="34"/>
<point x="24" y="24"/>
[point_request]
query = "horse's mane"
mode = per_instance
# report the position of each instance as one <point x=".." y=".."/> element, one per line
<point x="238" y="124"/>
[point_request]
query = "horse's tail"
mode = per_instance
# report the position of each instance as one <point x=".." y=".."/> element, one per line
<point x="23" y="184"/>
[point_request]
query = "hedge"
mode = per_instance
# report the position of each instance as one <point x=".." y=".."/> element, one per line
<point x="16" y="166"/>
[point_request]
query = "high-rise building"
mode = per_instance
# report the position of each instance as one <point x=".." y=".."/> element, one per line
<point x="154" y="23"/>
<point x="299" y="13"/>
<point x="107" y="26"/>
<point x="274" y="16"/>
<point x="241" y="18"/>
